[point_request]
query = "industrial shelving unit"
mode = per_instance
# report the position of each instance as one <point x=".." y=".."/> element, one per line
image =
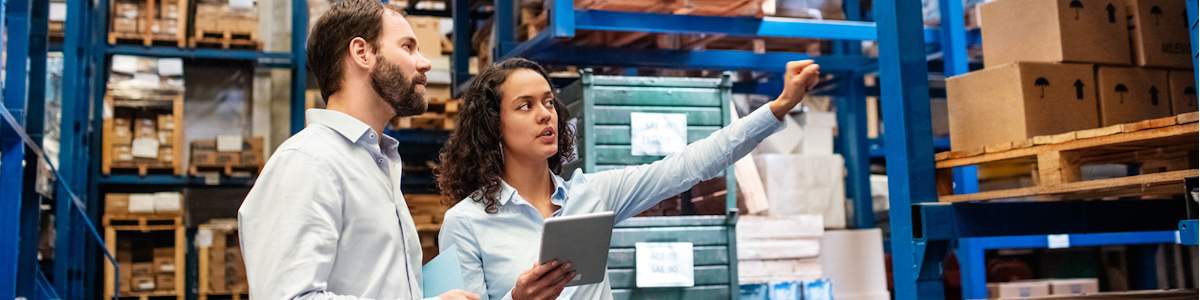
<point x="86" y="53"/>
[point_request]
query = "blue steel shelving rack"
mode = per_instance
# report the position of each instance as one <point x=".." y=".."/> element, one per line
<point x="920" y="236"/>
<point x="85" y="52"/>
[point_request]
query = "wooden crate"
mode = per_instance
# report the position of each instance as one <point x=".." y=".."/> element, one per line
<point x="173" y="223"/>
<point x="217" y="26"/>
<point x="149" y="18"/>
<point x="143" y="167"/>
<point x="213" y="284"/>
<point x="1164" y="148"/>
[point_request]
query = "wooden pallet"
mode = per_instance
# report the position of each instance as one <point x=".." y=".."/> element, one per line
<point x="1164" y="148"/>
<point x="225" y="40"/>
<point x="234" y="295"/>
<point x="149" y="14"/>
<point x="225" y="169"/>
<point x="144" y="223"/>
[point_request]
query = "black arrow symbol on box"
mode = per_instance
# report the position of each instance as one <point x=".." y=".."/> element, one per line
<point x="1078" y="89"/>
<point x="1121" y="89"/>
<point x="1042" y="83"/>
<point x="1153" y="95"/>
<point x="1112" y="13"/>
<point x="1157" y="13"/>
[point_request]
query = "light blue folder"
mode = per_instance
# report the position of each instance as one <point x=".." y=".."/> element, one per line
<point x="442" y="273"/>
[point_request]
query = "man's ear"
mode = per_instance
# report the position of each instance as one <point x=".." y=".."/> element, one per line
<point x="361" y="53"/>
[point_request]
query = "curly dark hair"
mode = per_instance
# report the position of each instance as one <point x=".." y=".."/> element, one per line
<point x="472" y="162"/>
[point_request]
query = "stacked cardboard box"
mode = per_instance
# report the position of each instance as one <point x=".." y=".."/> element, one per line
<point x="1024" y="289"/>
<point x="427" y="213"/>
<point x="226" y="269"/>
<point x="208" y="152"/>
<point x="142" y="105"/>
<point x="168" y="19"/>
<point x="1079" y="74"/>
<point x="143" y="203"/>
<point x="126" y="16"/>
<point x="220" y="16"/>
<point x="147" y="267"/>
<point x="164" y="269"/>
<point x="771" y="249"/>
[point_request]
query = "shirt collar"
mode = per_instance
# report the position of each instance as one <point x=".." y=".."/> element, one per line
<point x="349" y="127"/>
<point x="509" y="194"/>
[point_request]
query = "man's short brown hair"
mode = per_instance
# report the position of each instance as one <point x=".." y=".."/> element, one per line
<point x="329" y="38"/>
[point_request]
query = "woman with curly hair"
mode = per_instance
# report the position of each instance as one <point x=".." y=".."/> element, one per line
<point x="501" y="168"/>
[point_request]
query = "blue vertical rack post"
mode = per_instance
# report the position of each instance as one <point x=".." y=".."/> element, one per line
<point x="905" y="103"/>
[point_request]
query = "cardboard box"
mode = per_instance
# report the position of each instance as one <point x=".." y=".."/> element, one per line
<point x="142" y="283"/>
<point x="1159" y="31"/>
<point x="166" y="122"/>
<point x="1074" y="287"/>
<point x="122" y="153"/>
<point x="166" y="154"/>
<point x="1093" y="31"/>
<point x="1018" y="289"/>
<point x="164" y="264"/>
<point x="1132" y="94"/>
<point x="1183" y="91"/>
<point x="429" y="35"/>
<point x="141" y="203"/>
<point x="145" y="128"/>
<point x="141" y="269"/>
<point x="116" y="204"/>
<point x="121" y="135"/>
<point x="1018" y="101"/>
<point x="164" y="282"/>
<point x="228" y="158"/>
<point x="204" y="157"/>
<point x="167" y="202"/>
<point x="216" y="263"/>
<point x="125" y="25"/>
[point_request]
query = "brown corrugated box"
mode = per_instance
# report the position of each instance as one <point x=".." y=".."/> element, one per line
<point x="1018" y="101"/>
<point x="217" y="262"/>
<point x="1159" y="32"/>
<point x="164" y="282"/>
<point x="142" y="282"/>
<point x="1132" y="94"/>
<point x="1018" y="289"/>
<point x="116" y="204"/>
<point x="1093" y="31"/>
<point x="164" y="260"/>
<point x="1183" y="91"/>
<point x="429" y="35"/>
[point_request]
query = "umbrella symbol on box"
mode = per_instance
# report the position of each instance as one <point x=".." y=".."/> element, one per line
<point x="1078" y="89"/>
<point x="1154" y="95"/>
<point x="1076" y="5"/>
<point x="1042" y="83"/>
<point x="1112" y="13"/>
<point x="1157" y="13"/>
<point x="1121" y="90"/>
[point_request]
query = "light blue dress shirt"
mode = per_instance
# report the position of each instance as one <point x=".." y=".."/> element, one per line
<point x="326" y="219"/>
<point x="496" y="248"/>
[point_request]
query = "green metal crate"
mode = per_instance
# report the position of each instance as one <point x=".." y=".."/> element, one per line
<point x="602" y="106"/>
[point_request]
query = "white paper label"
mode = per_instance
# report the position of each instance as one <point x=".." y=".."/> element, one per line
<point x="1058" y="241"/>
<point x="212" y="178"/>
<point x="657" y="134"/>
<point x="204" y="238"/>
<point x="58" y="11"/>
<point x="145" y="147"/>
<point x="124" y="64"/>
<point x="167" y="202"/>
<point x="664" y="265"/>
<point x="241" y="4"/>
<point x="229" y="143"/>
<point x="170" y="67"/>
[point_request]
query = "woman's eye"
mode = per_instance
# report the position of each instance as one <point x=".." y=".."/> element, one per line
<point x="523" y="106"/>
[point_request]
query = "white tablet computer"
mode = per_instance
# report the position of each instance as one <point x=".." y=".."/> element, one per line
<point x="582" y="240"/>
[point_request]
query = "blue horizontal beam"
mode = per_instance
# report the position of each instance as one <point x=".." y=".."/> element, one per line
<point x="877" y="146"/>
<point x="732" y="26"/>
<point x="945" y="221"/>
<point x="268" y="59"/>
<point x="683" y="59"/>
<point x="1041" y="241"/>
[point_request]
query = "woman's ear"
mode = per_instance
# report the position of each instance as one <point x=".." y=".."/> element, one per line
<point x="361" y="53"/>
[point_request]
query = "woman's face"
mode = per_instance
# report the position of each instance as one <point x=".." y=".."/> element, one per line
<point x="528" y="121"/>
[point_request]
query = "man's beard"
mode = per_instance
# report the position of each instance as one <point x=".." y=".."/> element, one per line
<point x="390" y="84"/>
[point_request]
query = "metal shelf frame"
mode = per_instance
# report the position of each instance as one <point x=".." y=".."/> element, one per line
<point x="73" y="274"/>
<point x="903" y="63"/>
